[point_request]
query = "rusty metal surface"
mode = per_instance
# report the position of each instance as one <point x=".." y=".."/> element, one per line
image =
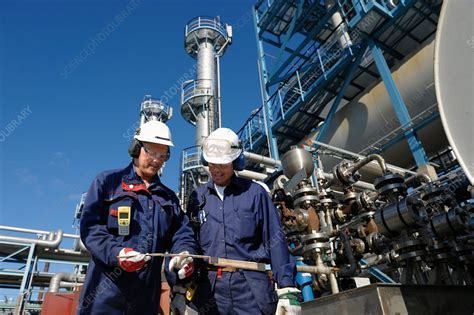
<point x="60" y="303"/>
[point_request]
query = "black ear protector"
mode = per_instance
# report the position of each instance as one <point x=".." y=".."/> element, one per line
<point x="135" y="146"/>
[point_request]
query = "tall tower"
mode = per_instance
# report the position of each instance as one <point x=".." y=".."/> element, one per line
<point x="151" y="109"/>
<point x="206" y="40"/>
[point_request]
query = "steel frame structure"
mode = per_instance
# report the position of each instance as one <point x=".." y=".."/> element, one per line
<point x="312" y="73"/>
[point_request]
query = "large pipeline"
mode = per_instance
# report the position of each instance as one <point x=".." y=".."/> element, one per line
<point x="58" y="280"/>
<point x="53" y="242"/>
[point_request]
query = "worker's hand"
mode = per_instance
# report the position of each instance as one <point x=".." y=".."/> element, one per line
<point x="183" y="263"/>
<point x="130" y="260"/>
<point x="288" y="302"/>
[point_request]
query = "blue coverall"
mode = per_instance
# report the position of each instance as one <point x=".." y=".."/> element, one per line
<point x="244" y="226"/>
<point x="157" y="225"/>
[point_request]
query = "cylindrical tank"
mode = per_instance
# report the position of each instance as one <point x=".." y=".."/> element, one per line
<point x="365" y="120"/>
<point x="295" y="160"/>
<point x="438" y="77"/>
<point x="454" y="77"/>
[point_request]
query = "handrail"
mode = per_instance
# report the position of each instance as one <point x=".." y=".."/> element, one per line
<point x="194" y="88"/>
<point x="205" y="22"/>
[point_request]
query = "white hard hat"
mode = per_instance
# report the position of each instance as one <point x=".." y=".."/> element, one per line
<point x="155" y="132"/>
<point x="221" y="147"/>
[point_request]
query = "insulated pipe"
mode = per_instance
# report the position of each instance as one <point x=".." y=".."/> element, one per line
<point x="70" y="285"/>
<point x="57" y="237"/>
<point x="34" y="231"/>
<point x="260" y="159"/>
<point x="79" y="246"/>
<point x="55" y="282"/>
<point x="359" y="184"/>
<point x="373" y="157"/>
<point x="315" y="269"/>
<point x="421" y="177"/>
<point x="251" y="175"/>
<point x="372" y="167"/>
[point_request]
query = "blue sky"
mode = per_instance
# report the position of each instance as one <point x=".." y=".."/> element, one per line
<point x="65" y="114"/>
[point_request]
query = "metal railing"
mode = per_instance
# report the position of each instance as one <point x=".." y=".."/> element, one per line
<point x="252" y="130"/>
<point x="191" y="158"/>
<point x="294" y="88"/>
<point x="195" y="88"/>
<point x="325" y="59"/>
<point x="379" y="145"/>
<point x="203" y="22"/>
<point x="355" y="10"/>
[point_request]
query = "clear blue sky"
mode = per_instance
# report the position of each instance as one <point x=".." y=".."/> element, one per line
<point x="64" y="115"/>
<point x="72" y="77"/>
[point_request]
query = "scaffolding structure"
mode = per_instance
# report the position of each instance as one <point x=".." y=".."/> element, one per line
<point x="314" y="56"/>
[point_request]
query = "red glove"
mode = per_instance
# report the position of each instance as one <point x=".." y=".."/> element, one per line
<point x="130" y="260"/>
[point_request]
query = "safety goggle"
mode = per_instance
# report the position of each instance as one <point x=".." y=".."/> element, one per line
<point x="215" y="148"/>
<point x="155" y="155"/>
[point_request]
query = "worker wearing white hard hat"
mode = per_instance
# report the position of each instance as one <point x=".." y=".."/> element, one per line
<point x="128" y="213"/>
<point x="235" y="218"/>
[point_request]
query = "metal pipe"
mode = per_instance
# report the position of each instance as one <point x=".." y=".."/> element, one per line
<point x="251" y="175"/>
<point x="421" y="177"/>
<point x="57" y="237"/>
<point x="345" y="154"/>
<point x="315" y="269"/>
<point x="333" y="283"/>
<point x="55" y="282"/>
<point x="337" y="21"/>
<point x="261" y="159"/>
<point x="79" y="246"/>
<point x="304" y="281"/>
<point x="372" y="157"/>
<point x="360" y="184"/>
<point x="72" y="285"/>
<point x="34" y="231"/>
<point x="218" y="90"/>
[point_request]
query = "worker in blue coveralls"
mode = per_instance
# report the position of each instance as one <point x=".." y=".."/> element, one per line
<point x="235" y="218"/>
<point x="128" y="213"/>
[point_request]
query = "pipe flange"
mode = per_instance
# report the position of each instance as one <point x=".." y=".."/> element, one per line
<point x="307" y="198"/>
<point x="319" y="247"/>
<point x="412" y="255"/>
<point x="305" y="190"/>
<point x="318" y="237"/>
<point x="391" y="184"/>
<point x="408" y="244"/>
<point x="343" y="173"/>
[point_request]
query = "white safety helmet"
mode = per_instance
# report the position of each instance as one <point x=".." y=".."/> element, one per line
<point x="221" y="147"/>
<point x="155" y="132"/>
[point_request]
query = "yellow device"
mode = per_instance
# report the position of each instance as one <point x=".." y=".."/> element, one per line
<point x="123" y="218"/>
<point x="190" y="292"/>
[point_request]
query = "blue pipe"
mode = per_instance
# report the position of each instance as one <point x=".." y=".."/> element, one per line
<point x="304" y="281"/>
